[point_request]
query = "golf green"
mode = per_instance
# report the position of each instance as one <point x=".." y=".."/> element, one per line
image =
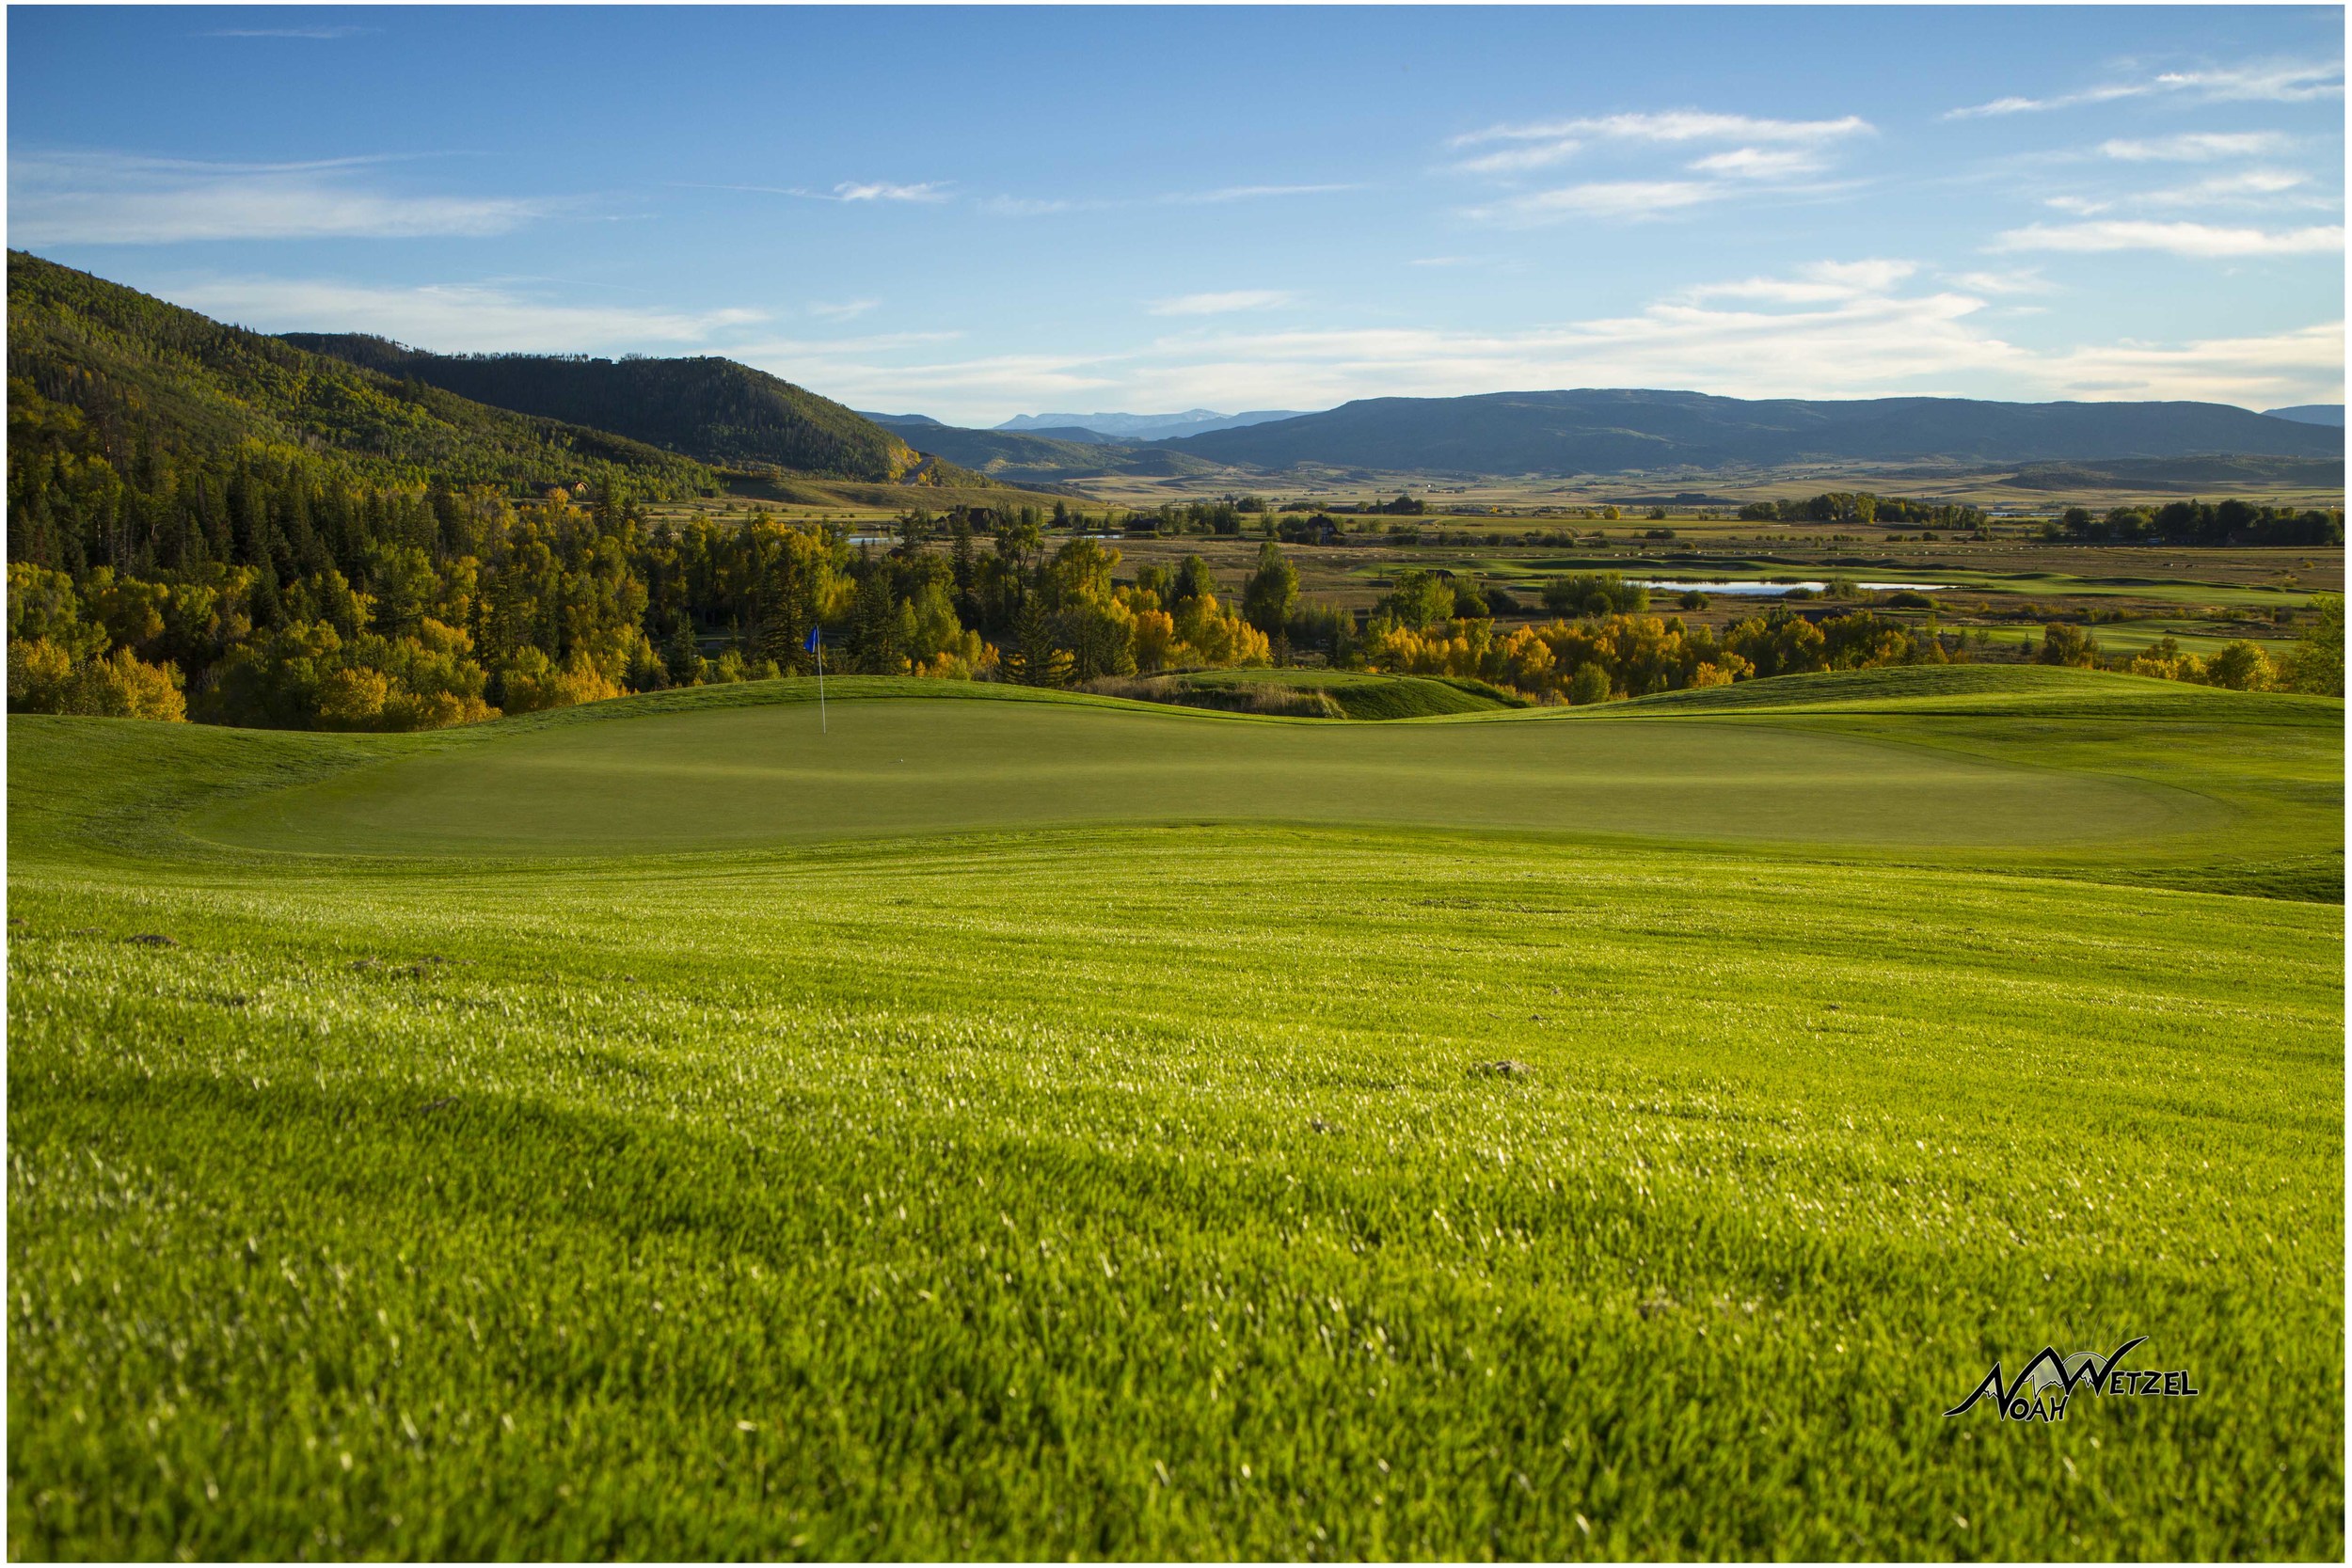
<point x="741" y="776"/>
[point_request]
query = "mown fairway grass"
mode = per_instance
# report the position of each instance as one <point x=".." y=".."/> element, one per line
<point x="1125" y="1186"/>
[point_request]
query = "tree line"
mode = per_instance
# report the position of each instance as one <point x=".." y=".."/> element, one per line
<point x="2197" y="522"/>
<point x="1861" y="506"/>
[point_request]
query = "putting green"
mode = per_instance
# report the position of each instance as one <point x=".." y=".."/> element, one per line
<point x="741" y="776"/>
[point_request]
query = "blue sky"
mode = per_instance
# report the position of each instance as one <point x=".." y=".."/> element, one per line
<point x="978" y="213"/>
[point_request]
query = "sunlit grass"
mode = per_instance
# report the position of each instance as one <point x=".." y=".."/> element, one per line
<point x="1140" y="1191"/>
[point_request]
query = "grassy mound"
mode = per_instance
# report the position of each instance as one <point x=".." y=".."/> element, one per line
<point x="1991" y="688"/>
<point x="733" y="777"/>
<point x="1351" y="695"/>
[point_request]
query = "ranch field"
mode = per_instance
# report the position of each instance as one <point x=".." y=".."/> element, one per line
<point x="1032" y="1125"/>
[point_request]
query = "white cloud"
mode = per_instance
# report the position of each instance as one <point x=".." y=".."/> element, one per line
<point x="2273" y="81"/>
<point x="1769" y="154"/>
<point x="1757" y="163"/>
<point x="2022" y="283"/>
<point x="116" y="198"/>
<point x="2302" y="365"/>
<point x="2081" y="206"/>
<point x="1221" y="304"/>
<point x="881" y="190"/>
<point x="2253" y="185"/>
<point x="1675" y="125"/>
<point x="450" y="318"/>
<point x="843" y="310"/>
<point x="1515" y="160"/>
<point x="2200" y="147"/>
<point x="2179" y="239"/>
<point x="848" y="190"/>
<point x="1608" y="198"/>
<point x="1815" y="282"/>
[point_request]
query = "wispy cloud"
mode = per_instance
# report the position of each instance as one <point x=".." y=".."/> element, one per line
<point x="2179" y="239"/>
<point x="1221" y="304"/>
<point x="1604" y="199"/>
<point x="1815" y="282"/>
<point x="2256" y="185"/>
<point x="2200" y="147"/>
<point x="2026" y="282"/>
<point x="452" y="318"/>
<point x="1758" y="162"/>
<point x="119" y="198"/>
<point x="881" y="190"/>
<point x="1765" y="155"/>
<point x="848" y="190"/>
<point x="1675" y="125"/>
<point x="846" y="309"/>
<point x="1518" y="160"/>
<point x="2264" y="81"/>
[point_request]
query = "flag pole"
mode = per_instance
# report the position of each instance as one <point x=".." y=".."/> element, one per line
<point x="823" y="725"/>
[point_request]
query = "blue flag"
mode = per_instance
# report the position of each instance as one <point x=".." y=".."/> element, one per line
<point x="811" y="644"/>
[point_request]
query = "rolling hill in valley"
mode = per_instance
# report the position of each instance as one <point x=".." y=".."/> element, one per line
<point x="1615" y="431"/>
<point x="708" y="408"/>
<point x="101" y="370"/>
<point x="2183" y="475"/>
<point x="1043" y="456"/>
<point x="1140" y="427"/>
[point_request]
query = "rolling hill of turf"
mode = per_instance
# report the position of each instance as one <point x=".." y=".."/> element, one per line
<point x="1991" y="689"/>
<point x="707" y="407"/>
<point x="708" y="1137"/>
<point x="708" y="778"/>
<point x="94" y="366"/>
<point x="1353" y="695"/>
<point x="1608" y="431"/>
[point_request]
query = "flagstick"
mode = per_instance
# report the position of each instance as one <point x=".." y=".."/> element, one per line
<point x="823" y="726"/>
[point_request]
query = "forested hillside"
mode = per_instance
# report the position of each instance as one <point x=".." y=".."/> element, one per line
<point x="98" y="372"/>
<point x="709" y="408"/>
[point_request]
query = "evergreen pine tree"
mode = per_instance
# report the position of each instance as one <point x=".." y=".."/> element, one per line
<point x="682" y="655"/>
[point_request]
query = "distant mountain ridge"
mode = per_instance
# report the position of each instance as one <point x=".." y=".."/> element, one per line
<point x="1141" y="427"/>
<point x="1610" y="431"/>
<point x="2310" y="413"/>
<point x="708" y="408"/>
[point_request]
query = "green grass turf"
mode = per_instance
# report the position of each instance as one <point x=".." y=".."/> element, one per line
<point x="1127" y="1188"/>
<point x="1369" y="696"/>
<point x="705" y="779"/>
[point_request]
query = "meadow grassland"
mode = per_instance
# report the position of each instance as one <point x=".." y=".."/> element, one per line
<point x="648" y="1132"/>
